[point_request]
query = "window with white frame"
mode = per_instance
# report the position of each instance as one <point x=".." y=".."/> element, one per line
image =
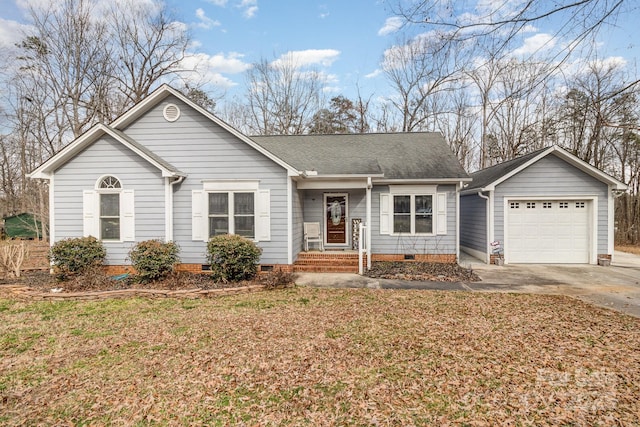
<point x="231" y="207"/>
<point x="108" y="211"/>
<point x="232" y="213"/>
<point x="413" y="214"/>
<point x="413" y="209"/>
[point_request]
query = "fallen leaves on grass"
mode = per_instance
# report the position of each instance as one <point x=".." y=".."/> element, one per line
<point x="307" y="356"/>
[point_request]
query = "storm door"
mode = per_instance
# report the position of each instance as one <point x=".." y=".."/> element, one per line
<point x="335" y="212"/>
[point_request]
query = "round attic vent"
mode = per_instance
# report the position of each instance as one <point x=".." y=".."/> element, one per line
<point x="171" y="112"/>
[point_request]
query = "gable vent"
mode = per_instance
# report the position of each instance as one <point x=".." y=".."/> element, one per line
<point x="171" y="112"/>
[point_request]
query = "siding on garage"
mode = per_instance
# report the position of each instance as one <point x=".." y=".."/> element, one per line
<point x="551" y="177"/>
<point x="109" y="157"/>
<point x="394" y="244"/>
<point x="473" y="222"/>
<point x="206" y="151"/>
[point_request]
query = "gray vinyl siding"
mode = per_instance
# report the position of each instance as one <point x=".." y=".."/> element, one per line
<point x="206" y="151"/>
<point x="313" y="201"/>
<point x="108" y="157"/>
<point x="399" y="244"/>
<point x="553" y="177"/>
<point x="298" y="219"/>
<point x="473" y="222"/>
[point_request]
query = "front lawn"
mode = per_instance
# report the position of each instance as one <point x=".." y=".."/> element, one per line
<point x="304" y="356"/>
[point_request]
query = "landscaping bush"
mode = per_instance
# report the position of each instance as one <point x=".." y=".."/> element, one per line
<point x="233" y="258"/>
<point x="74" y="255"/>
<point x="154" y="259"/>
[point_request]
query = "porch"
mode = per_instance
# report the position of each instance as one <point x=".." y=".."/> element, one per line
<point x="330" y="261"/>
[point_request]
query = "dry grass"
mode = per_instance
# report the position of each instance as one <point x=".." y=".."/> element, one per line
<point x="628" y="248"/>
<point x="320" y="357"/>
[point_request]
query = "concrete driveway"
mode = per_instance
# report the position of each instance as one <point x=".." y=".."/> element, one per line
<point x="616" y="286"/>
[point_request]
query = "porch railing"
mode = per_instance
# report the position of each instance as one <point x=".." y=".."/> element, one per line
<point x="363" y="247"/>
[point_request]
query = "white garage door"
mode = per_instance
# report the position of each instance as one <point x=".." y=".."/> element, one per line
<point x="548" y="231"/>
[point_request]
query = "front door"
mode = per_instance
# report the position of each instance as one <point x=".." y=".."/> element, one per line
<point x="335" y="212"/>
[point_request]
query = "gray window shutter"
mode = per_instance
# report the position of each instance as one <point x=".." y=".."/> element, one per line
<point x="385" y="213"/>
<point x="198" y="216"/>
<point x="441" y="213"/>
<point x="90" y="213"/>
<point x="127" y="216"/>
<point x="263" y="217"/>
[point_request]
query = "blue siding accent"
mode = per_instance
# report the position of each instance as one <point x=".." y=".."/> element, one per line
<point x="206" y="151"/>
<point x="473" y="222"/>
<point x="549" y="177"/>
<point x="108" y="157"/>
<point x="390" y="244"/>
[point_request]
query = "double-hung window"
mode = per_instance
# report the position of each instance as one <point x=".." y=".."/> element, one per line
<point x="232" y="213"/>
<point x="108" y="211"/>
<point x="413" y="213"/>
<point x="413" y="210"/>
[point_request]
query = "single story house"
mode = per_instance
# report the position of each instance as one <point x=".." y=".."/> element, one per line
<point x="171" y="170"/>
<point x="547" y="206"/>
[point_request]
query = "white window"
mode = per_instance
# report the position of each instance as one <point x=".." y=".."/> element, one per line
<point x="232" y="213"/>
<point x="413" y="214"/>
<point x="231" y="207"/>
<point x="415" y="210"/>
<point x="108" y="211"/>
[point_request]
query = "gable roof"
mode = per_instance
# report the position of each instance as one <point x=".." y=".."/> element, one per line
<point x="86" y="139"/>
<point x="393" y="156"/>
<point x="163" y="92"/>
<point x="487" y="179"/>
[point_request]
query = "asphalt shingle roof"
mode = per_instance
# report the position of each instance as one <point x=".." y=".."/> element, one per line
<point x="486" y="176"/>
<point x="416" y="155"/>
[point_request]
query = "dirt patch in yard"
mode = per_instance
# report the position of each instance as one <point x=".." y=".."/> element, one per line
<point x="632" y="249"/>
<point x="423" y="271"/>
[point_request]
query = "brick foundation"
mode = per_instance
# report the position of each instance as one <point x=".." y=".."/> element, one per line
<point x="437" y="258"/>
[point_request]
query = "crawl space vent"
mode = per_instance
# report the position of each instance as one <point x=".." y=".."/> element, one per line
<point x="171" y="112"/>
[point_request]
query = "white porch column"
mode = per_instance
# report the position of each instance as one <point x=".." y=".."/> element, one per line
<point x="368" y="229"/>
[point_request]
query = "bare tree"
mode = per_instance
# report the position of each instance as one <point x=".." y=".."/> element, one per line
<point x="417" y="69"/>
<point x="282" y="98"/>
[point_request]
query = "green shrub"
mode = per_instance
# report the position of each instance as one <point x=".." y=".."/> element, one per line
<point x="74" y="255"/>
<point x="232" y="258"/>
<point x="154" y="259"/>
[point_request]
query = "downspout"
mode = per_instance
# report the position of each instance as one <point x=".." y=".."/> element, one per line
<point x="458" y="188"/>
<point x="489" y="234"/>
<point x="169" y="208"/>
<point x="368" y="232"/>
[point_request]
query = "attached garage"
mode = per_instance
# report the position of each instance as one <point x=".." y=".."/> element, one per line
<point x="548" y="231"/>
<point x="546" y="207"/>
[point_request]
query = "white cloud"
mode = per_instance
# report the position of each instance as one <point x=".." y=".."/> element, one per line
<point x="374" y="73"/>
<point x="11" y="32"/>
<point x="211" y="69"/>
<point x="535" y="44"/>
<point x="249" y="8"/>
<point x="205" y="21"/>
<point x="391" y="25"/>
<point x="301" y="58"/>
<point x="221" y="3"/>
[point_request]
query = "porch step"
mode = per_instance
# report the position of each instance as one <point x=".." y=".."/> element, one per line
<point x="327" y="262"/>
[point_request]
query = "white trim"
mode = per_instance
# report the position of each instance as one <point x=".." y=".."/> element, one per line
<point x="458" y="221"/>
<point x="593" y="204"/>
<point x="343" y="184"/>
<point x="346" y="219"/>
<point x="168" y="210"/>
<point x="420" y="181"/>
<point x="368" y="228"/>
<point x="164" y="91"/>
<point x="563" y="155"/>
<point x="413" y="189"/>
<point x="52" y="216"/>
<point x="44" y="171"/>
<point x="230" y="185"/>
<point x="491" y="223"/>
<point x="289" y="220"/>
<point x="611" y="221"/>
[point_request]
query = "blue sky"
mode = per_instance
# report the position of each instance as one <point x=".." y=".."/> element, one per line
<point x="344" y="39"/>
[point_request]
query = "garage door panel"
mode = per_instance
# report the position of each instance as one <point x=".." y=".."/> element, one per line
<point x="549" y="231"/>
